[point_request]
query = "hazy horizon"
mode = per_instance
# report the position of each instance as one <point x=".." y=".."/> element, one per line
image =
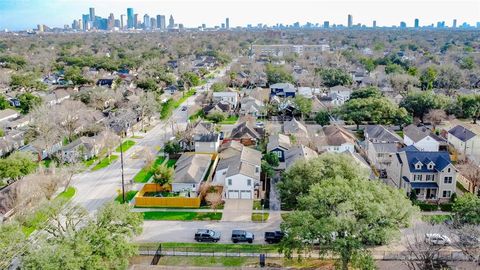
<point x="26" y="14"/>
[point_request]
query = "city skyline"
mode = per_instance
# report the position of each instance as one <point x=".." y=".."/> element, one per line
<point x="214" y="13"/>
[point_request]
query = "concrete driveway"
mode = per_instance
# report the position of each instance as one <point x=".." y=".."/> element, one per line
<point x="237" y="210"/>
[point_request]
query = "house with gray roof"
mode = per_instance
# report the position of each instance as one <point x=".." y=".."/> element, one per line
<point x="282" y="90"/>
<point x="465" y="141"/>
<point x="238" y="171"/>
<point x="252" y="106"/>
<point x="381" y="145"/>
<point x="423" y="138"/>
<point x="431" y="175"/>
<point x="190" y="170"/>
<point x="298" y="152"/>
<point x="207" y="143"/>
<point x="279" y="144"/>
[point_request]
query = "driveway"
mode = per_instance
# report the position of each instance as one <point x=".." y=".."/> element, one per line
<point x="237" y="210"/>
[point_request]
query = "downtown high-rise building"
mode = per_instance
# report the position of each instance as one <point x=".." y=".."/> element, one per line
<point x="350" y="20"/>
<point x="85" y="20"/>
<point x="417" y="23"/>
<point x="92" y="14"/>
<point x="227" y="23"/>
<point x="123" y="21"/>
<point x="135" y="21"/>
<point x="374" y="24"/>
<point x="111" y="22"/>
<point x="454" y="24"/>
<point x="171" y="22"/>
<point x="326" y="24"/>
<point x="403" y="25"/>
<point x="130" y="18"/>
<point x="153" y="23"/>
<point x="146" y="22"/>
<point x="161" y="22"/>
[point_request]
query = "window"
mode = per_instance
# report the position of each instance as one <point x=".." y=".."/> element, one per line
<point x="418" y="166"/>
<point x="229" y="182"/>
<point x="278" y="153"/>
<point x="417" y="177"/>
<point x="249" y="182"/>
<point x="449" y="170"/>
<point x="257" y="169"/>
<point x="224" y="173"/>
<point x="447" y="193"/>
<point x="336" y="148"/>
<point x="448" y="180"/>
<point x="430" y="166"/>
<point x="430" y="177"/>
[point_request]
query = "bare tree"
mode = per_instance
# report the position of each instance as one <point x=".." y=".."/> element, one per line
<point x="68" y="171"/>
<point x="45" y="126"/>
<point x="471" y="172"/>
<point x="468" y="241"/>
<point x="422" y="255"/>
<point x="72" y="117"/>
<point x="435" y="117"/>
<point x="148" y="107"/>
<point x="214" y="199"/>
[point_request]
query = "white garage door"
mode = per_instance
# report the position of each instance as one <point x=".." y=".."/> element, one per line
<point x="233" y="194"/>
<point x="245" y="194"/>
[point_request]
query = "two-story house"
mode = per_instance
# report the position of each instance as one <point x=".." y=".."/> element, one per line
<point x="423" y="139"/>
<point x="381" y="144"/>
<point x="339" y="94"/>
<point x="282" y="90"/>
<point x="431" y="175"/>
<point x="279" y="144"/>
<point x="465" y="141"/>
<point x="238" y="171"/>
<point x="231" y="98"/>
<point x="335" y="139"/>
<point x="207" y="143"/>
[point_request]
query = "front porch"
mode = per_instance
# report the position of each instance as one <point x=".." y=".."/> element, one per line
<point x="425" y="190"/>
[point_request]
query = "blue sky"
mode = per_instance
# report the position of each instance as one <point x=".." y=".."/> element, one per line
<point x="24" y="14"/>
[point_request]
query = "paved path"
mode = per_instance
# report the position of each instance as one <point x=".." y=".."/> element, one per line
<point x="237" y="210"/>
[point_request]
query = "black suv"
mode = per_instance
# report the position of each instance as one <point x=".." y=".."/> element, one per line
<point x="273" y="237"/>
<point x="242" y="236"/>
<point x="203" y="235"/>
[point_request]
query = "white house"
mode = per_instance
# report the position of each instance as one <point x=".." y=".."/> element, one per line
<point x="251" y="106"/>
<point x="464" y="140"/>
<point x="422" y="138"/>
<point x="339" y="94"/>
<point x="207" y="143"/>
<point x="190" y="171"/>
<point x="229" y="97"/>
<point x="335" y="139"/>
<point x="238" y="171"/>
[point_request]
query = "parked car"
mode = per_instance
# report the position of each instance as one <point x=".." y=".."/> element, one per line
<point x="204" y="235"/>
<point x="273" y="237"/>
<point x="184" y="108"/>
<point x="437" y="239"/>
<point x="242" y="236"/>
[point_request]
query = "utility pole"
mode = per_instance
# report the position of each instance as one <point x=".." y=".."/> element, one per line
<point x="121" y="162"/>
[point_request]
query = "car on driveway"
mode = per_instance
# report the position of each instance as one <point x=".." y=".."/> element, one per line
<point x="204" y="235"/>
<point x="437" y="239"/>
<point x="242" y="236"/>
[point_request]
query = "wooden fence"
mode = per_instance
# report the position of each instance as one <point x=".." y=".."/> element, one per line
<point x="174" y="202"/>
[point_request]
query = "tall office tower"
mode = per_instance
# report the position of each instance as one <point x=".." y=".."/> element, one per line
<point x="80" y="24"/>
<point x="223" y="26"/>
<point x="454" y="25"/>
<point x="75" y="25"/>
<point x="350" y="20"/>
<point x="227" y="23"/>
<point x="92" y="16"/>
<point x="153" y="23"/>
<point x="122" y="21"/>
<point x="417" y="23"/>
<point x="111" y="22"/>
<point x="204" y="26"/>
<point x="403" y="25"/>
<point x="118" y="24"/>
<point x="161" y="22"/>
<point x="130" y="18"/>
<point x="159" y="18"/>
<point x="326" y="24"/>
<point x="85" y="19"/>
<point x="146" y="22"/>
<point x="374" y="24"/>
<point x="135" y="20"/>
<point x="171" y="22"/>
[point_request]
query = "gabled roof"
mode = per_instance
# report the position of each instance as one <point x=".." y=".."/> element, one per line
<point x="336" y="135"/>
<point x="220" y="106"/>
<point x="294" y="127"/>
<point x="285" y="86"/>
<point x="191" y="168"/>
<point x="278" y="140"/>
<point x="441" y="159"/>
<point x="299" y="152"/>
<point x="417" y="134"/>
<point x="381" y="133"/>
<point x="340" y="88"/>
<point x="239" y="159"/>
<point x="245" y="130"/>
<point x="208" y="137"/>
<point x="462" y="133"/>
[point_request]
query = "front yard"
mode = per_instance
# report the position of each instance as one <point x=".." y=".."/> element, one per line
<point x="260" y="217"/>
<point x="105" y="162"/>
<point x="185" y="216"/>
<point x="146" y="173"/>
<point x="125" y="145"/>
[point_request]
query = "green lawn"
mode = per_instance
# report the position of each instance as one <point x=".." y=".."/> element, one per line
<point x="46" y="162"/>
<point x="164" y="215"/>
<point x="128" y="196"/>
<point x="186" y="95"/>
<point x="436" y="219"/>
<point x="216" y="247"/>
<point x="89" y="162"/>
<point x="126" y="145"/>
<point x="229" y="120"/>
<point x="105" y="162"/>
<point x="206" y="261"/>
<point x="144" y="174"/>
<point x="171" y="104"/>
<point x="37" y="219"/>
<point x="136" y="137"/>
<point x="171" y="163"/>
<point x="260" y="217"/>
<point x="257" y="205"/>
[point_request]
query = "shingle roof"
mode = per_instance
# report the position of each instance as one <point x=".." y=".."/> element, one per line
<point x="299" y="152"/>
<point x="382" y="134"/>
<point x="238" y="159"/>
<point x="208" y="137"/>
<point x="416" y="134"/>
<point x="441" y="160"/>
<point x="191" y="168"/>
<point x="244" y="130"/>
<point x="294" y="127"/>
<point x="336" y="135"/>
<point x="462" y="133"/>
<point x="278" y="140"/>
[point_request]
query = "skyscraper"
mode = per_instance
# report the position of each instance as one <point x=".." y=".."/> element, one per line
<point x="403" y="25"/>
<point x="85" y="19"/>
<point x="454" y="25"/>
<point x="135" y="20"/>
<point x="171" y="22"/>
<point x="146" y="22"/>
<point x="417" y="23"/>
<point x="92" y="14"/>
<point x="111" y="22"/>
<point x="227" y="23"/>
<point x="162" y="24"/>
<point x="326" y="24"/>
<point x="374" y="24"/>
<point x="122" y="21"/>
<point x="130" y="18"/>
<point x="153" y="23"/>
<point x="350" y="20"/>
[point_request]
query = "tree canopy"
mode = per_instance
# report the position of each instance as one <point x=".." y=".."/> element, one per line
<point x="334" y="76"/>
<point x="467" y="209"/>
<point x="28" y="101"/>
<point x="366" y="92"/>
<point x="17" y="165"/>
<point x="278" y="74"/>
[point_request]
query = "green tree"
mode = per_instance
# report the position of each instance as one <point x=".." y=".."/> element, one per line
<point x="74" y="74"/>
<point x="368" y="63"/>
<point x="391" y="68"/>
<point x="28" y="81"/>
<point x="163" y="175"/>
<point x="216" y="117"/>
<point x="267" y="169"/>
<point x="17" y="165"/>
<point x="350" y="214"/>
<point x="420" y="103"/>
<point x="278" y="74"/>
<point x="102" y="242"/>
<point x="428" y="77"/>
<point x="296" y="181"/>
<point x="303" y="105"/>
<point x="4" y="104"/>
<point x="218" y="87"/>
<point x="15" y="62"/>
<point x="469" y="106"/>
<point x="466" y="209"/>
<point x="171" y="147"/>
<point x="334" y="76"/>
<point x="28" y="101"/>
<point x="271" y="158"/>
<point x="12" y="239"/>
<point x="190" y="79"/>
<point x="322" y="118"/>
<point x="366" y="92"/>
<point x="148" y="84"/>
<point x="467" y="63"/>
